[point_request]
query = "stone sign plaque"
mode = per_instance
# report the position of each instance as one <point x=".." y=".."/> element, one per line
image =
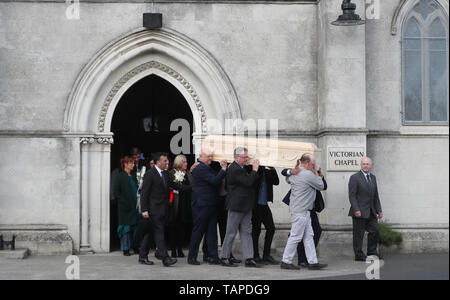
<point x="345" y="158"/>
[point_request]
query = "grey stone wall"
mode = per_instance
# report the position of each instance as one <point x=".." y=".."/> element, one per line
<point x="40" y="182"/>
<point x="268" y="51"/>
<point x="275" y="54"/>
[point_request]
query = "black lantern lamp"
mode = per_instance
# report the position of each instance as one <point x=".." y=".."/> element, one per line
<point x="349" y="18"/>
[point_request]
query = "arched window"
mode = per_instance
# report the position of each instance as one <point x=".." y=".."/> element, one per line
<point x="425" y="65"/>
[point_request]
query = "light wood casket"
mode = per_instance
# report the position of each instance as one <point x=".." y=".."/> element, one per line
<point x="270" y="152"/>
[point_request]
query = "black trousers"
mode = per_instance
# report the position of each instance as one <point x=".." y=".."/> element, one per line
<point x="360" y="226"/>
<point x="157" y="228"/>
<point x="222" y="216"/>
<point x="262" y="215"/>
<point x="205" y="223"/>
<point x="315" y="224"/>
<point x="176" y="234"/>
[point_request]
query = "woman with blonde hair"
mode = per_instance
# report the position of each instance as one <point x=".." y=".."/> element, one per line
<point x="180" y="211"/>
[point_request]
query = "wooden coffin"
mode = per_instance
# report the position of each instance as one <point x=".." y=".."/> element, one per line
<point x="270" y="152"/>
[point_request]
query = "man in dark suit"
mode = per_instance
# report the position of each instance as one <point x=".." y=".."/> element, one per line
<point x="205" y="202"/>
<point x="365" y="209"/>
<point x="240" y="202"/>
<point x="222" y="215"/>
<point x="262" y="214"/>
<point x="154" y="205"/>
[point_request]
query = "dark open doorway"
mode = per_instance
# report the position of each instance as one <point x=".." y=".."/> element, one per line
<point x="142" y="119"/>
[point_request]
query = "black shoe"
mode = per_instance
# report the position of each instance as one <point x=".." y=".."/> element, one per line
<point x="361" y="258"/>
<point x="126" y="253"/>
<point x="214" y="261"/>
<point x="145" y="261"/>
<point x="235" y="260"/>
<point x="168" y="261"/>
<point x="158" y="256"/>
<point x="288" y="266"/>
<point x="270" y="260"/>
<point x="258" y="260"/>
<point x="174" y="253"/>
<point x="317" y="266"/>
<point x="227" y="262"/>
<point x="194" y="262"/>
<point x="251" y="263"/>
<point x="205" y="259"/>
<point x="180" y="253"/>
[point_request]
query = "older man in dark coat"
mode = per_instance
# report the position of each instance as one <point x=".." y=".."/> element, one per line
<point x="365" y="209"/>
<point x="240" y="203"/>
<point x="205" y="203"/>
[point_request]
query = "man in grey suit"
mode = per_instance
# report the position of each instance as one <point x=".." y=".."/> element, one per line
<point x="303" y="194"/>
<point x="365" y="209"/>
<point x="240" y="202"/>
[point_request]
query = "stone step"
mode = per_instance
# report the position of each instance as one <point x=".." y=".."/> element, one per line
<point x="14" y="254"/>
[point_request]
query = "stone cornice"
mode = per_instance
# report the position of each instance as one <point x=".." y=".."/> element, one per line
<point x="281" y="2"/>
<point x="32" y="227"/>
<point x="281" y="134"/>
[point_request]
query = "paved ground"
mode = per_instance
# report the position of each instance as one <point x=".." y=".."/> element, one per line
<point x="116" y="266"/>
<point x="409" y="267"/>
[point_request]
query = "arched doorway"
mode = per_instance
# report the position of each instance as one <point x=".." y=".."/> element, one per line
<point x="142" y="119"/>
<point x="99" y="88"/>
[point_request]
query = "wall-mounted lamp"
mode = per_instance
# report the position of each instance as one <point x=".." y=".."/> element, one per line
<point x="348" y="18"/>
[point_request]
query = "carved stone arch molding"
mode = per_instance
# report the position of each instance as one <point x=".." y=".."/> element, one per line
<point x="98" y="90"/>
<point x="164" y="52"/>
<point x="143" y="69"/>
<point x="404" y="7"/>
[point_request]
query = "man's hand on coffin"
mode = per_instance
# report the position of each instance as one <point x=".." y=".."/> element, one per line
<point x="255" y="165"/>
<point x="224" y="164"/>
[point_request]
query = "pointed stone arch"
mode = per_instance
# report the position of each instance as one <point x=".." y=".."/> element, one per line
<point x="403" y="9"/>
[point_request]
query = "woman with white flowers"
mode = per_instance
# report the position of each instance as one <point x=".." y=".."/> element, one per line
<point x="180" y="211"/>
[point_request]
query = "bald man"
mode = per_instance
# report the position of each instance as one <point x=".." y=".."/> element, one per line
<point x="365" y="209"/>
<point x="205" y="205"/>
<point x="303" y="195"/>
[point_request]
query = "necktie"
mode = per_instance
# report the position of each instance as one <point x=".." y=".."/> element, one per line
<point x="368" y="179"/>
<point x="163" y="179"/>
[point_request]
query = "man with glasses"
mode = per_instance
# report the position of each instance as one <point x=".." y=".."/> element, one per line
<point x="240" y="202"/>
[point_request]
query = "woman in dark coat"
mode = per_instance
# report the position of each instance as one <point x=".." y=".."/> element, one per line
<point x="180" y="211"/>
<point x="125" y="192"/>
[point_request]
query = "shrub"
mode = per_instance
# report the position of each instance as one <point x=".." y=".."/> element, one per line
<point x="389" y="237"/>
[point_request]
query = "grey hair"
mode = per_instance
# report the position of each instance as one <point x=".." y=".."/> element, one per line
<point x="239" y="150"/>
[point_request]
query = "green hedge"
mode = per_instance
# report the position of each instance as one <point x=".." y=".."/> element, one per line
<point x="388" y="237"/>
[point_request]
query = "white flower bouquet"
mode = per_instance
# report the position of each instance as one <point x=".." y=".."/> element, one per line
<point x="140" y="180"/>
<point x="179" y="176"/>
